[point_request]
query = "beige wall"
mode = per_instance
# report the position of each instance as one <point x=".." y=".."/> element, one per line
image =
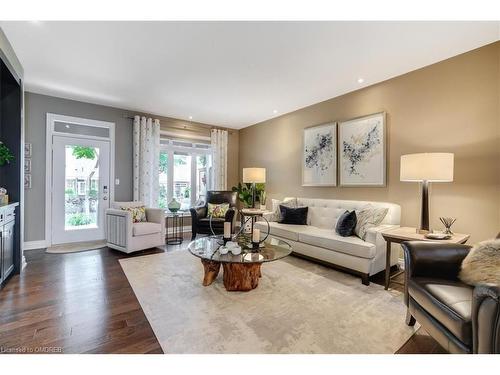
<point x="451" y="106"/>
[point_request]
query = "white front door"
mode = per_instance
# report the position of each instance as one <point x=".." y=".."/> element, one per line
<point x="80" y="188"/>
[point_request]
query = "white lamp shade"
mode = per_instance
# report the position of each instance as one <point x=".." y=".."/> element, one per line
<point x="254" y="175"/>
<point x="432" y="167"/>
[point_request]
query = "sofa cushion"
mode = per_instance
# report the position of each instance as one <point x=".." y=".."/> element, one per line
<point x="218" y="210"/>
<point x="144" y="228"/>
<point x="288" y="231"/>
<point x="346" y="224"/>
<point x="449" y="302"/>
<point x="288" y="202"/>
<point x="138" y="213"/>
<point x="369" y="217"/>
<point x="328" y="239"/>
<point x="295" y="216"/>
<point x="323" y="213"/>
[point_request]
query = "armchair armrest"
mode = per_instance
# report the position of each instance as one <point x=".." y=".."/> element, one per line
<point x="118" y="227"/>
<point x="486" y="319"/>
<point x="198" y="212"/>
<point x="117" y="212"/>
<point x="155" y="215"/>
<point x="433" y="259"/>
<point x="374" y="234"/>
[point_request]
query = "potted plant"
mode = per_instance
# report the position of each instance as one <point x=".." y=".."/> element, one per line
<point x="6" y="155"/>
<point x="244" y="194"/>
<point x="262" y="200"/>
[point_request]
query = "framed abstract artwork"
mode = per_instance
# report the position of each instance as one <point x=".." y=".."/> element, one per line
<point x="319" y="162"/>
<point x="27" y="165"/>
<point x="27" y="181"/>
<point x="27" y="150"/>
<point x="362" y="155"/>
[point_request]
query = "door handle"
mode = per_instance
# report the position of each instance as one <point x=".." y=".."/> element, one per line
<point x="104" y="198"/>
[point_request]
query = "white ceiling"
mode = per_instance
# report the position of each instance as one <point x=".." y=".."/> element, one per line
<point x="231" y="74"/>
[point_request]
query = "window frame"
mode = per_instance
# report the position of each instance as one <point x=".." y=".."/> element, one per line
<point x="81" y="188"/>
<point x="170" y="146"/>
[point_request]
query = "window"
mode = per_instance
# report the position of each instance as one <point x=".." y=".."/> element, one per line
<point x="163" y="199"/>
<point x="185" y="170"/>
<point x="80" y="187"/>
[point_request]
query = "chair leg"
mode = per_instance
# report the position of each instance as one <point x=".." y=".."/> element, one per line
<point x="193" y="235"/>
<point x="365" y="279"/>
<point x="410" y="320"/>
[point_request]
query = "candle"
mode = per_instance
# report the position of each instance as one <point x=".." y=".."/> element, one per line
<point x="256" y="235"/>
<point x="227" y="230"/>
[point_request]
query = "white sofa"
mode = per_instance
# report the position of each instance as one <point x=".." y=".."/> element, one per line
<point x="124" y="235"/>
<point x="318" y="239"/>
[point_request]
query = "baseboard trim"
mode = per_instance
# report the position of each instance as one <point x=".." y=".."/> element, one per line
<point x="33" y="245"/>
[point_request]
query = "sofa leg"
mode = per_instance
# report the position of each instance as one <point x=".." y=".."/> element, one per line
<point x="365" y="279"/>
<point x="410" y="320"/>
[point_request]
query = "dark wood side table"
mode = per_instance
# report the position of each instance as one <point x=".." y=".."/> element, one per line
<point x="402" y="234"/>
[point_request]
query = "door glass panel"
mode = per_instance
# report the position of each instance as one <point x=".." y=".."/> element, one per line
<point x="81" y="187"/>
<point x="202" y="178"/>
<point x="163" y="200"/>
<point x="182" y="180"/>
<point x="64" y="127"/>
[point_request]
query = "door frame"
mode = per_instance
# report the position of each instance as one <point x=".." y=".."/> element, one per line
<point x="51" y="119"/>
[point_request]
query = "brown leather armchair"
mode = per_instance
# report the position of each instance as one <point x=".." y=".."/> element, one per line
<point x="200" y="222"/>
<point x="460" y="317"/>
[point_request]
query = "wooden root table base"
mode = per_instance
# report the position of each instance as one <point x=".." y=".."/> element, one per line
<point x="211" y="271"/>
<point x="237" y="276"/>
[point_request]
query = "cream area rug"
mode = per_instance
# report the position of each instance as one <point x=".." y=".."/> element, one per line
<point x="75" y="247"/>
<point x="298" y="307"/>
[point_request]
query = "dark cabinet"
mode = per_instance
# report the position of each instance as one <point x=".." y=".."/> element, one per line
<point x="7" y="241"/>
<point x="11" y="174"/>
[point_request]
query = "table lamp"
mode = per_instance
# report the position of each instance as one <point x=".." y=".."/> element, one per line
<point x="254" y="176"/>
<point x="426" y="168"/>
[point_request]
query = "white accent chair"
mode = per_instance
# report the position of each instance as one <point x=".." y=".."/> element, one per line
<point x="124" y="235"/>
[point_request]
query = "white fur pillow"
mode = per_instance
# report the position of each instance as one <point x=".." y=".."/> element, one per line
<point x="482" y="264"/>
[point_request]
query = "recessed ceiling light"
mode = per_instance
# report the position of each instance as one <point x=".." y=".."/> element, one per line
<point x="67" y="126"/>
<point x="275" y="111"/>
<point x="361" y="80"/>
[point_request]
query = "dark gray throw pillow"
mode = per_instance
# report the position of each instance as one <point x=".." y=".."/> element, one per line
<point x="346" y="224"/>
<point x="296" y="216"/>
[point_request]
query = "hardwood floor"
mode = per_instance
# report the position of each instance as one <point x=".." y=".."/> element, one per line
<point x="74" y="303"/>
<point x="83" y="303"/>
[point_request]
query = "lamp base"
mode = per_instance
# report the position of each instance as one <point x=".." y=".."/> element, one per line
<point x="423" y="231"/>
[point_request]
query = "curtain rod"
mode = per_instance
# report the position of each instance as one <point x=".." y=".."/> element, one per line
<point x="211" y="127"/>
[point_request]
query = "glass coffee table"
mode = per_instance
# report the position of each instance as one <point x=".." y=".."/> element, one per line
<point x="241" y="272"/>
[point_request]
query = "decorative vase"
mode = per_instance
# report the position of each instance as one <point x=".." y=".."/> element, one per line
<point x="447" y="222"/>
<point x="174" y="205"/>
<point x="262" y="207"/>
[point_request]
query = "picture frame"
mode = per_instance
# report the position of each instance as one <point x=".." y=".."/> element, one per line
<point x="319" y="155"/>
<point x="27" y="181"/>
<point x="27" y="150"/>
<point x="27" y="165"/>
<point x="362" y="151"/>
